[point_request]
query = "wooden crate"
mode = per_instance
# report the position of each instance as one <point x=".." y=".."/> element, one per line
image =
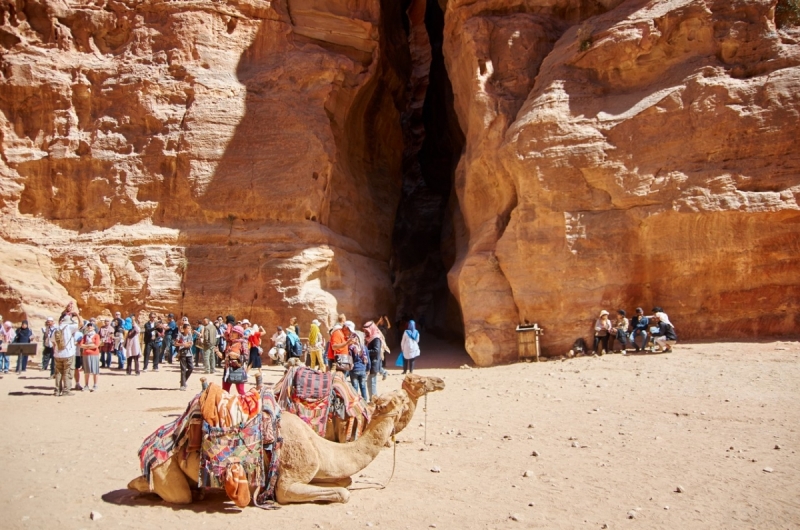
<point x="528" y="341"/>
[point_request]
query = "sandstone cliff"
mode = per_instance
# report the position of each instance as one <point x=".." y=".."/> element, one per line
<point x="276" y="158"/>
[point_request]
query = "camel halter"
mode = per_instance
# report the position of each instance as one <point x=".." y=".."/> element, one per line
<point x="407" y="387"/>
<point x="394" y="455"/>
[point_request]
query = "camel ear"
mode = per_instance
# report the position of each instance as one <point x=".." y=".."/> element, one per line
<point x="170" y="483"/>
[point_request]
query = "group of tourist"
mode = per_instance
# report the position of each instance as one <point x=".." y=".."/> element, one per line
<point x="634" y="333"/>
<point x="72" y="345"/>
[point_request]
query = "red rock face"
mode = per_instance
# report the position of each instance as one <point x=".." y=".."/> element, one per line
<point x="642" y="156"/>
<point x="250" y="156"/>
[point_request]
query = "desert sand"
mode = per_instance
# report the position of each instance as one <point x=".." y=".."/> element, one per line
<point x="614" y="437"/>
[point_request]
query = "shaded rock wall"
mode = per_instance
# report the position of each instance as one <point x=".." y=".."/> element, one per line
<point x="203" y="157"/>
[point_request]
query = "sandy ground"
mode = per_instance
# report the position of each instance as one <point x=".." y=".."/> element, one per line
<point x="615" y="437"/>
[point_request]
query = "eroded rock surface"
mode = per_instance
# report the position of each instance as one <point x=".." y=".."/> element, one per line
<point x="249" y="156"/>
<point x="624" y="154"/>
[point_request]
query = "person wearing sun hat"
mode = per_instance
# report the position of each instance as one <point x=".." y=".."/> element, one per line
<point x="235" y="358"/>
<point x="602" y="331"/>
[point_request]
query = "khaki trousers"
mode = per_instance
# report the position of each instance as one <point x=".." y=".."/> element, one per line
<point x="64" y="373"/>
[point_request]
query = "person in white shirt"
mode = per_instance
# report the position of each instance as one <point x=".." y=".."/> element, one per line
<point x="278" y="352"/>
<point x="47" y="340"/>
<point x="64" y="357"/>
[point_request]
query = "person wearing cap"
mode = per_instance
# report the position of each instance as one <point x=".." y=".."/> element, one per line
<point x="620" y="332"/>
<point x="90" y="351"/>
<point x="602" y="330"/>
<point x="639" y="325"/>
<point x="315" y="345"/>
<point x="49" y="346"/>
<point x="234" y="364"/>
<point x="278" y="351"/>
<point x="246" y="326"/>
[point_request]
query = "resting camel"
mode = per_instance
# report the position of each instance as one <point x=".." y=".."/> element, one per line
<point x="414" y="386"/>
<point x="311" y="469"/>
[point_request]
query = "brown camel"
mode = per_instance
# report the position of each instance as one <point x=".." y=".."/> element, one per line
<point x="311" y="469"/>
<point x="415" y="386"/>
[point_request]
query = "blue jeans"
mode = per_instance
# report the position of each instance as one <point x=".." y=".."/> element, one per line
<point x="372" y="385"/>
<point x="22" y="361"/>
<point x="3" y="362"/>
<point x="120" y="359"/>
<point x="359" y="382"/>
<point x="637" y="333"/>
<point x="105" y="358"/>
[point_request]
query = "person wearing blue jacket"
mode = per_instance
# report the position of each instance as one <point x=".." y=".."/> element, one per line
<point x="639" y="325"/>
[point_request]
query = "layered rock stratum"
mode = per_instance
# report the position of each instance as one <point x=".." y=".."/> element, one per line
<point x="259" y="158"/>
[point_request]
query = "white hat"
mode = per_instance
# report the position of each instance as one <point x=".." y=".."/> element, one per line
<point x="245" y="321"/>
<point x="603" y="312"/>
<point x="350" y="325"/>
<point x="315" y="321"/>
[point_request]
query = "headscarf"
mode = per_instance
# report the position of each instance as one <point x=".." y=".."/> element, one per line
<point x="24" y="334"/>
<point x="412" y="330"/>
<point x="291" y="337"/>
<point x="127" y="325"/>
<point x="8" y="331"/>
<point x="314" y="335"/>
<point x="372" y="332"/>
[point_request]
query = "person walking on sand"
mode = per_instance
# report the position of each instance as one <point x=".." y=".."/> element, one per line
<point x="409" y="347"/>
<point x="183" y="348"/>
<point x="132" y="347"/>
<point x="90" y="351"/>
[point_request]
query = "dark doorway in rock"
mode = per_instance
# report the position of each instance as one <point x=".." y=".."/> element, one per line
<point x="423" y="244"/>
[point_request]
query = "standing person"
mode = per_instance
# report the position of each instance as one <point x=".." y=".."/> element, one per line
<point x="384" y="326"/>
<point x="119" y="342"/>
<point x="620" y="332"/>
<point x="294" y="348"/>
<point x="233" y="361"/>
<point x="278" y="351"/>
<point x="254" y="341"/>
<point x="152" y="341"/>
<point x="639" y="323"/>
<point x="106" y="342"/>
<point x="358" y="375"/>
<point x="90" y="351"/>
<point x="602" y="330"/>
<point x="221" y="341"/>
<point x="315" y="346"/>
<point x="7" y="337"/>
<point x="132" y="347"/>
<point x="24" y="335"/>
<point x="170" y="332"/>
<point x="409" y="347"/>
<point x="209" y="343"/>
<point x="183" y="345"/>
<point x="375" y="348"/>
<point x="48" y="350"/>
<point x="65" y="349"/>
<point x="197" y="348"/>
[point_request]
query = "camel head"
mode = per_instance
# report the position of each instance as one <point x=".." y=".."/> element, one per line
<point x="419" y="385"/>
<point x="391" y="403"/>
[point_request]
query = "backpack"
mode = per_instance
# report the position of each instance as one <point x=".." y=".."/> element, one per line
<point x="58" y="339"/>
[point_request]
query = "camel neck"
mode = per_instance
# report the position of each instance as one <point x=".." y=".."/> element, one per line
<point x="347" y="459"/>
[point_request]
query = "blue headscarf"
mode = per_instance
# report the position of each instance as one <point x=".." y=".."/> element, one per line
<point x="127" y="325"/>
<point x="412" y="330"/>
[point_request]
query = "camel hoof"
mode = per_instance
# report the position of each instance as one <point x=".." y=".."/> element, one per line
<point x="139" y="484"/>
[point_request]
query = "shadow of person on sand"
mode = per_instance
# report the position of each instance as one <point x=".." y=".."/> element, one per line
<point x="32" y="393"/>
<point x="208" y="501"/>
<point x="157" y="388"/>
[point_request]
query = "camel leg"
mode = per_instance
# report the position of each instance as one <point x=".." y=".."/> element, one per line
<point x="337" y="482"/>
<point x="295" y="492"/>
<point x="170" y="483"/>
